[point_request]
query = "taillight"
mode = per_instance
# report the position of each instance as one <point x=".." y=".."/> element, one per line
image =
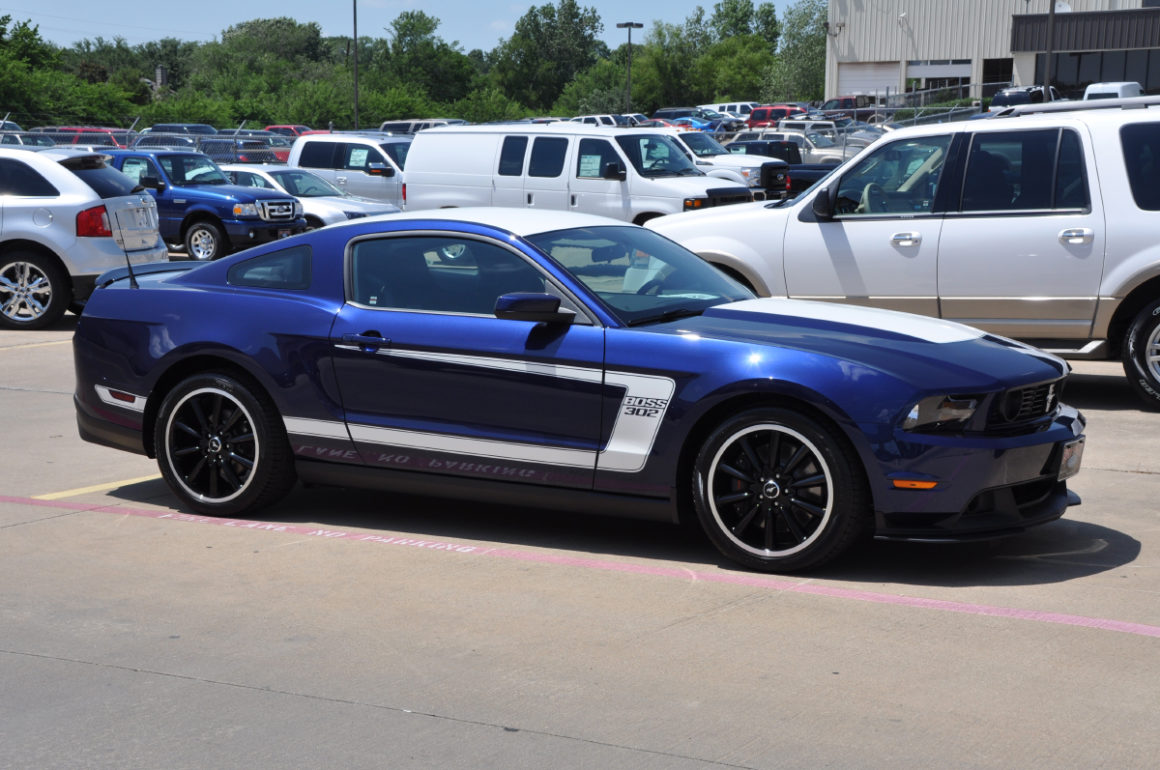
<point x="787" y="181"/>
<point x="404" y="193"/>
<point x="94" y="223"/>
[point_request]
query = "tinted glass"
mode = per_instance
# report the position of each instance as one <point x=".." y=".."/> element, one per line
<point x="511" y="155"/>
<point x="899" y="178"/>
<point x="1011" y="170"/>
<point x="317" y="155"/>
<point x="288" y="269"/>
<point x="1141" y="143"/>
<point x="397" y="151"/>
<point x="594" y="155"/>
<point x="1071" y="190"/>
<point x="18" y="178"/>
<point x="548" y="156"/>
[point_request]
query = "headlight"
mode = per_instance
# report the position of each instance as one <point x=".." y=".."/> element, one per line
<point x="940" y="413"/>
<point x="298" y="208"/>
<point x="752" y="176"/>
<point x="245" y="210"/>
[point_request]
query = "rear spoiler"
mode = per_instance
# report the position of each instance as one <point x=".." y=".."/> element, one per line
<point x="149" y="268"/>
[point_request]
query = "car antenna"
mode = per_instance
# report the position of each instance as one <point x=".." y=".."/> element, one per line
<point x="128" y="262"/>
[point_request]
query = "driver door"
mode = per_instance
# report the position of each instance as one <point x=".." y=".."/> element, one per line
<point x="881" y="247"/>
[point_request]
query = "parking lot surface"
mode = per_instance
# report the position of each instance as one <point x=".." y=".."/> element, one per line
<point x="360" y="630"/>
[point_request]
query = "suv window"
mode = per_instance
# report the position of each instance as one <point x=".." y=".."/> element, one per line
<point x="1141" y="146"/>
<point x="899" y="178"/>
<point x="1037" y="169"/>
<point x="511" y="155"/>
<point x="105" y="181"/>
<point x="593" y="156"/>
<point x="18" y="178"/>
<point x="317" y="155"/>
<point x="547" y="156"/>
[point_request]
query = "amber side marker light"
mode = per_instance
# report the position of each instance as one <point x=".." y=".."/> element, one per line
<point x="912" y="484"/>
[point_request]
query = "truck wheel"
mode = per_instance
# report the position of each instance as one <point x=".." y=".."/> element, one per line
<point x="204" y="241"/>
<point x="779" y="492"/>
<point x="1142" y="354"/>
<point x="34" y="291"/>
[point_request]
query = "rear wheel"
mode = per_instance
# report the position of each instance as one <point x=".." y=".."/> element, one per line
<point x="204" y="241"/>
<point x="34" y="290"/>
<point x="778" y="491"/>
<point x="222" y="446"/>
<point x="1142" y="354"/>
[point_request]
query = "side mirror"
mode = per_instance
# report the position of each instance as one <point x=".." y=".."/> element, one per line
<point x="613" y="170"/>
<point x="152" y="182"/>
<point x="528" y="306"/>
<point x="823" y="206"/>
<point x="380" y="169"/>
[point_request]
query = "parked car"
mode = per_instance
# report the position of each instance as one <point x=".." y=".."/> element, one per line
<point x="289" y="129"/>
<point x="766" y="175"/>
<point x="1120" y="90"/>
<point x="738" y="109"/>
<point x="801" y="176"/>
<point x="67" y="217"/>
<point x="322" y="203"/>
<point x="414" y="125"/>
<point x="855" y="107"/>
<point x="25" y="139"/>
<point x="814" y="147"/>
<point x="182" y="128"/>
<point x="602" y="120"/>
<point x="368" y="165"/>
<point x="766" y="116"/>
<point x="103" y="136"/>
<point x="200" y="209"/>
<point x="226" y="148"/>
<point x="627" y="174"/>
<point x="1017" y="95"/>
<point x="1040" y="227"/>
<point x="165" y="141"/>
<point x="698" y="119"/>
<point x="604" y="367"/>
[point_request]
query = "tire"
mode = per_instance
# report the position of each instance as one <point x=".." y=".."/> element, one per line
<point x="204" y="242"/>
<point x="314" y="223"/>
<point x="1142" y="354"/>
<point x="34" y="290"/>
<point x="778" y="492"/>
<point x="221" y="446"/>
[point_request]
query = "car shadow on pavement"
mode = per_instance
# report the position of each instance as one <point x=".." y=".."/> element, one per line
<point x="1056" y="552"/>
<point x="1101" y="391"/>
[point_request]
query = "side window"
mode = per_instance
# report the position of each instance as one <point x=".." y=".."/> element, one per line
<point x="899" y="178"/>
<point x="356" y="157"/>
<point x="317" y="155"/>
<point x="593" y="156"/>
<point x="17" y="178"/>
<point x="136" y="168"/>
<point x="287" y="269"/>
<point x="1141" y="146"/>
<point x="511" y="155"/>
<point x="1071" y="190"/>
<point x="1025" y="170"/>
<point x="548" y="156"/>
<point x="439" y="274"/>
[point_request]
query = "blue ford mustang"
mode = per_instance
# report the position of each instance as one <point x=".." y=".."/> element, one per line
<point x="570" y="362"/>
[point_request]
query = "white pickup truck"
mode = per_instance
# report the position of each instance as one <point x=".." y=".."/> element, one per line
<point x="1041" y="226"/>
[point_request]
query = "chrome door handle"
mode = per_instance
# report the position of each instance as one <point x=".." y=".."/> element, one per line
<point x="906" y="239"/>
<point x="1077" y="235"/>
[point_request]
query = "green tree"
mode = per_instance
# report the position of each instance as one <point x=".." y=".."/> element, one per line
<point x="732" y="18"/>
<point x="799" y="73"/>
<point x="766" y="25"/>
<point x="732" y="69"/>
<point x="424" y="61"/>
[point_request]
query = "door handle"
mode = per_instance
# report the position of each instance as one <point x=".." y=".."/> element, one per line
<point x="529" y="199"/>
<point x="368" y="341"/>
<point x="906" y="239"/>
<point x="573" y="201"/>
<point x="1077" y="235"/>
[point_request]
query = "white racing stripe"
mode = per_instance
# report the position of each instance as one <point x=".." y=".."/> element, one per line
<point x="920" y="327"/>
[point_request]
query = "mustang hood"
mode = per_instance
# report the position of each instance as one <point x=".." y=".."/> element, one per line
<point x="912" y="347"/>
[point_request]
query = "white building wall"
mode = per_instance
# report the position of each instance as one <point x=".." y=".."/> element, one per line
<point x="906" y="30"/>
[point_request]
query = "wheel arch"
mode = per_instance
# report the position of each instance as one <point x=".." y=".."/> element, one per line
<point x="24" y="244"/>
<point x="1139" y="297"/>
<point x="200" y="215"/>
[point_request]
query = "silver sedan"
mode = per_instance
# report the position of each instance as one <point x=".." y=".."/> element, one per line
<point x="322" y="203"/>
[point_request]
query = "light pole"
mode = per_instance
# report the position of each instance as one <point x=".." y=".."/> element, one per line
<point x="630" y="26"/>
<point x="355" y="4"/>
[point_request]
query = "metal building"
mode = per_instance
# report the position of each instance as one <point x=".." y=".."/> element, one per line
<point x="885" y="47"/>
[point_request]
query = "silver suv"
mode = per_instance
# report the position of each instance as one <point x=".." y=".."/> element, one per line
<point x="67" y="218"/>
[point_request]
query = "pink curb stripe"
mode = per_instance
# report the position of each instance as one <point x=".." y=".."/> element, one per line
<point x="743" y="579"/>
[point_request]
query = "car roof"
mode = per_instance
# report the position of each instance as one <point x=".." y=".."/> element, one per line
<point x="518" y="221"/>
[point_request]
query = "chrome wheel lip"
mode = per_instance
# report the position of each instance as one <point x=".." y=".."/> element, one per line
<point x="711" y="498"/>
<point x="202" y="245"/>
<point x="25" y="291"/>
<point x="214" y="440"/>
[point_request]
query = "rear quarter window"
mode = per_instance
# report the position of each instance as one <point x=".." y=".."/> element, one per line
<point x="17" y="178"/>
<point x="1141" y="146"/>
<point x="286" y="269"/>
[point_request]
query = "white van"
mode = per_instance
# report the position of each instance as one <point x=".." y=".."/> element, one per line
<point x="1120" y="90"/>
<point x="627" y="174"/>
<point x="736" y="109"/>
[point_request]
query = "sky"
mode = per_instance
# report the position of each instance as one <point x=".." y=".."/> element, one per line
<point x="471" y="24"/>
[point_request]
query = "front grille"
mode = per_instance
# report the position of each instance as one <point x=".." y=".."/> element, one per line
<point x="1021" y="405"/>
<point x="276" y="211"/>
<point x="722" y="196"/>
<point x="774" y="176"/>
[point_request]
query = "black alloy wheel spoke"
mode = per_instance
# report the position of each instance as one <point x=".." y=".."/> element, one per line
<point x="216" y="414"/>
<point x="791" y="524"/>
<point x="747" y="448"/>
<point x="799" y="455"/>
<point x="196" y="470"/>
<point x="189" y="450"/>
<point x="213" y="484"/>
<point x="195" y="407"/>
<point x="243" y="461"/>
<point x="187" y="429"/>
<point x="816" y="480"/>
<point x="736" y="497"/>
<point x="230" y="421"/>
<point x="242" y="438"/>
<point x="230" y="477"/>
<point x="742" y="525"/>
<point x="809" y="508"/>
<point x="736" y="473"/>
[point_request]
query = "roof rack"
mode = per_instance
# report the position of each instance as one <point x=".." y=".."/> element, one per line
<point x="1129" y="103"/>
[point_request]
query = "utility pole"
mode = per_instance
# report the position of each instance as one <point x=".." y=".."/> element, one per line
<point x="630" y="26"/>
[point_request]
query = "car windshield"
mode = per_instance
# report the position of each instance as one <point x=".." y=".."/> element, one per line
<point x="303" y="184"/>
<point x="192" y="169"/>
<point x="657" y="155"/>
<point x="702" y="145"/>
<point x="820" y="140"/>
<point x="639" y="276"/>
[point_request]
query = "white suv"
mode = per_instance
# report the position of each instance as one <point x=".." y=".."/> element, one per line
<point x="1040" y="227"/>
<point x="67" y="218"/>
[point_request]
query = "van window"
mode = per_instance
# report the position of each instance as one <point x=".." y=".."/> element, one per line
<point x="318" y="155"/>
<point x="593" y="156"/>
<point x="548" y="156"/>
<point x="1141" y="144"/>
<point x="511" y="155"/>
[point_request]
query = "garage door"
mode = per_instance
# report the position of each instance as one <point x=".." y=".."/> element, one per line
<point x="868" y="78"/>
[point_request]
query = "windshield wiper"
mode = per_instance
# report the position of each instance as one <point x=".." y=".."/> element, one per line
<point x="669" y="315"/>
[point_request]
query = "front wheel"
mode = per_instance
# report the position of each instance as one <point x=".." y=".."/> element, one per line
<point x="1142" y="354"/>
<point x="34" y="291"/>
<point x="204" y="241"/>
<point x="221" y="446"/>
<point x="777" y="491"/>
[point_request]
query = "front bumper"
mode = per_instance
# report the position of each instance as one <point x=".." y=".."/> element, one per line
<point x="987" y="487"/>
<point x="245" y="233"/>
